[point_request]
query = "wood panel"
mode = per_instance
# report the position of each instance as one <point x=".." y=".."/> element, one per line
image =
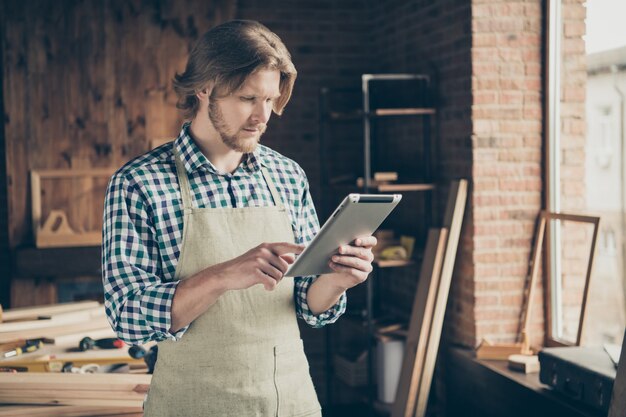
<point x="88" y="84"/>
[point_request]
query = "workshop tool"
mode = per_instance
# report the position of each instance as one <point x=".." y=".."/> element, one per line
<point x="150" y="357"/>
<point x="88" y="343"/>
<point x="29" y="346"/>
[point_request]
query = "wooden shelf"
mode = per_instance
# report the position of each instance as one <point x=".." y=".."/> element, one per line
<point x="403" y="187"/>
<point x="412" y="111"/>
<point x="392" y="263"/>
<point x="357" y="115"/>
<point x="413" y="187"/>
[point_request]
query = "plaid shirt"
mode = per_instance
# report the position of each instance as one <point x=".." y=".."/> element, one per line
<point x="143" y="221"/>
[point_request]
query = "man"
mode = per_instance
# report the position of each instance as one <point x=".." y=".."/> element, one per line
<point x="193" y="226"/>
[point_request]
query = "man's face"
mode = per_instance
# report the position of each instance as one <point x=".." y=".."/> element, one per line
<point x="241" y="117"/>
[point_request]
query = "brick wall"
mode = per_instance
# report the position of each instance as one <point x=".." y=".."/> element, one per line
<point x="435" y="38"/>
<point x="507" y="143"/>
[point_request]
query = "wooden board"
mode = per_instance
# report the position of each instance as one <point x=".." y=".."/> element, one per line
<point x="31" y="313"/>
<point x="453" y="220"/>
<point x="67" y="411"/>
<point x="429" y="309"/>
<point x="421" y="316"/>
<point x="55" y="320"/>
<point x="103" y="390"/>
<point x="52" y="332"/>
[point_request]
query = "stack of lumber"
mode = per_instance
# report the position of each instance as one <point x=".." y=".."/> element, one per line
<point x="72" y="394"/>
<point x="59" y="324"/>
<point x="46" y="391"/>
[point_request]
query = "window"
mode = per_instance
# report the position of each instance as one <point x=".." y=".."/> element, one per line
<point x="586" y="171"/>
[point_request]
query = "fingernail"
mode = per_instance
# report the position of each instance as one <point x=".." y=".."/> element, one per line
<point x="335" y="258"/>
<point x="358" y="241"/>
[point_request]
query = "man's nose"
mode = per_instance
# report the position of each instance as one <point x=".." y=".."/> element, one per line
<point x="262" y="112"/>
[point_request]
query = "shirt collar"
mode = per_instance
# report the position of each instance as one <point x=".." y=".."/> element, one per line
<point x="193" y="159"/>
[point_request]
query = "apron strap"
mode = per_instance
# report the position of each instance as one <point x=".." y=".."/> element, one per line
<point x="183" y="181"/>
<point x="270" y="184"/>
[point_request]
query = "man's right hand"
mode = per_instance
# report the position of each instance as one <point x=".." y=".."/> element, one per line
<point x="265" y="264"/>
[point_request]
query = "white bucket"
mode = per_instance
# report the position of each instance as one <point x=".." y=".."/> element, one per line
<point x="389" y="354"/>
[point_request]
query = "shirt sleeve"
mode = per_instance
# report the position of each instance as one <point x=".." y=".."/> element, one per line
<point x="307" y="228"/>
<point x="137" y="301"/>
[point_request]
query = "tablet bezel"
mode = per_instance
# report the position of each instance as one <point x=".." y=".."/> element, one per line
<point x="314" y="259"/>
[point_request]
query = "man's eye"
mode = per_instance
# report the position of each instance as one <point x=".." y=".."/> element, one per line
<point x="248" y="98"/>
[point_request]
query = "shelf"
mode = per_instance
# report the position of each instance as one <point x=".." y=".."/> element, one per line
<point x="404" y="187"/>
<point x="393" y="263"/>
<point x="358" y="115"/>
<point x="413" y="111"/>
<point x="414" y="187"/>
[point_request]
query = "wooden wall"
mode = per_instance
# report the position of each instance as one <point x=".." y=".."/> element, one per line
<point x="88" y="83"/>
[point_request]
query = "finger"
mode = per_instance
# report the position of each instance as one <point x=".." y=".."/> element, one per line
<point x="267" y="268"/>
<point x="366" y="241"/>
<point x="279" y="263"/>
<point x="360" y="275"/>
<point x="268" y="282"/>
<point x="281" y="248"/>
<point x="289" y="258"/>
<point x="363" y="253"/>
<point x="352" y="262"/>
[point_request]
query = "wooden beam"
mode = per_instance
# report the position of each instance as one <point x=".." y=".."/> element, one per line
<point x="31" y="313"/>
<point x="453" y="220"/>
<point x="421" y="315"/>
<point x="67" y="411"/>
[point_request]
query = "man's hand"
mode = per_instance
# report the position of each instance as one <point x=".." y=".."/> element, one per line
<point x="353" y="263"/>
<point x="265" y="264"/>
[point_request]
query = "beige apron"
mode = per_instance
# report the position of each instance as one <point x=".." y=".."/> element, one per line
<point x="243" y="356"/>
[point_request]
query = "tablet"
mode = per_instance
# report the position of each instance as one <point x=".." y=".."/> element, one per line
<point x="358" y="215"/>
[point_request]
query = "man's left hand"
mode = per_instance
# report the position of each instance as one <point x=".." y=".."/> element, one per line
<point x="353" y="263"/>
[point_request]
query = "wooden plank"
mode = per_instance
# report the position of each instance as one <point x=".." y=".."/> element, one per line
<point x="52" y="332"/>
<point x="453" y="219"/>
<point x="421" y="315"/>
<point x="43" y="398"/>
<point x="55" y="320"/>
<point x="30" y="313"/>
<point x="67" y="411"/>
<point x="23" y="395"/>
<point x="104" y="382"/>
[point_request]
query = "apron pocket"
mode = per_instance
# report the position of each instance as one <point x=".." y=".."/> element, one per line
<point x="294" y="387"/>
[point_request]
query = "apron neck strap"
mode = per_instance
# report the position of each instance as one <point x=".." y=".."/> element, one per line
<point x="270" y="184"/>
<point x="183" y="181"/>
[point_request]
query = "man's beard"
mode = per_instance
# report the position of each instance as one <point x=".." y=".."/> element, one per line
<point x="234" y="141"/>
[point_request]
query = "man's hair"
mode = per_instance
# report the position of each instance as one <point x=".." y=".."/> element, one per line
<point x="225" y="56"/>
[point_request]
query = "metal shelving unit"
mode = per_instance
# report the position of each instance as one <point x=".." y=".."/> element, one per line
<point x="375" y="105"/>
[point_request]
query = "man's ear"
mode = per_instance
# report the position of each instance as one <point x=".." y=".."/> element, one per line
<point x="204" y="94"/>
